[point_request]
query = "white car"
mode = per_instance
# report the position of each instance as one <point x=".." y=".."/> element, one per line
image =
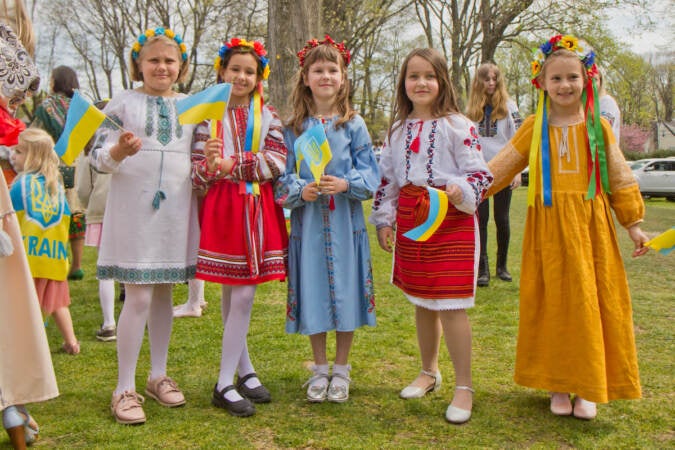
<point x="657" y="178"/>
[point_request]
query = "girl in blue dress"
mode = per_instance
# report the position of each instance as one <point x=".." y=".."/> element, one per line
<point x="330" y="281"/>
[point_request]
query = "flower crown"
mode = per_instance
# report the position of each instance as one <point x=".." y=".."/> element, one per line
<point x="568" y="42"/>
<point x="256" y="46"/>
<point x="313" y="43"/>
<point x="143" y="38"/>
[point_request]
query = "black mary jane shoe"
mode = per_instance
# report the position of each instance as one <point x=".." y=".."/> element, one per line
<point x="240" y="408"/>
<point x="258" y="394"/>
<point x="503" y="274"/>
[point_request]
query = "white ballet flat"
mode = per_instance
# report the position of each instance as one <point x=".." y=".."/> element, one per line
<point x="457" y="415"/>
<point x="419" y="392"/>
<point x="583" y="409"/>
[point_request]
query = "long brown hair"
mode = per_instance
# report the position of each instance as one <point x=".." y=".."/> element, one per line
<point x="302" y="100"/>
<point x="446" y="101"/>
<point x="479" y="98"/>
<point x="41" y="157"/>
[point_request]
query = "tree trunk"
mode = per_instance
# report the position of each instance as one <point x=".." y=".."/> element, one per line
<point x="290" y="24"/>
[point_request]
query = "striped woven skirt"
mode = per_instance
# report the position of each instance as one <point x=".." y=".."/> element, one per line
<point x="441" y="267"/>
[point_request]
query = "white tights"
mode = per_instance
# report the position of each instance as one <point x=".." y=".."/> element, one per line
<point x="237" y="303"/>
<point x="149" y="304"/>
<point x="106" y="295"/>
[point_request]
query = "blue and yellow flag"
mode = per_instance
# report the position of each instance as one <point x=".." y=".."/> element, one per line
<point x="45" y="222"/>
<point x="664" y="243"/>
<point x="82" y="120"/>
<point x="438" y="208"/>
<point x="312" y="147"/>
<point x="207" y="104"/>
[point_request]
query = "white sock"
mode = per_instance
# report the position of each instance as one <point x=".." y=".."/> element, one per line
<point x="160" y="321"/>
<point x="130" y="332"/>
<point x="319" y="369"/>
<point x="106" y="294"/>
<point x="341" y="370"/>
<point x="237" y="303"/>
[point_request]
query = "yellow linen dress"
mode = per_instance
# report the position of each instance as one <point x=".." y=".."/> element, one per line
<point x="576" y="328"/>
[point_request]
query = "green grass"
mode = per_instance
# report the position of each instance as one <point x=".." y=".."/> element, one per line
<point x="384" y="359"/>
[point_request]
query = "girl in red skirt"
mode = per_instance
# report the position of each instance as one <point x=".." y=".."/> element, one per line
<point x="243" y="232"/>
<point x="430" y="144"/>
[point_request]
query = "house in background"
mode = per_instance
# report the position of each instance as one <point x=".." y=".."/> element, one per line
<point x="664" y="135"/>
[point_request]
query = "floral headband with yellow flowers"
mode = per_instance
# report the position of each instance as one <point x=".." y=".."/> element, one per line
<point x="257" y="48"/>
<point x="159" y="31"/>
<point x="568" y="42"/>
<point x="313" y="43"/>
<point x="540" y="153"/>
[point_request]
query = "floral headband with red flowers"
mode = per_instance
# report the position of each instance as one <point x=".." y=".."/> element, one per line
<point x="578" y="46"/>
<point x="256" y="46"/>
<point x="313" y="43"/>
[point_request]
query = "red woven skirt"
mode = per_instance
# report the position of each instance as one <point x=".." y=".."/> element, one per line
<point x="441" y="267"/>
<point x="243" y="237"/>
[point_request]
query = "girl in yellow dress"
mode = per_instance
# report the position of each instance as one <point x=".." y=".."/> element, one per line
<point x="576" y="329"/>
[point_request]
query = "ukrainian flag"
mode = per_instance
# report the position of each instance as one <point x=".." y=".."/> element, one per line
<point x="207" y="104"/>
<point x="438" y="208"/>
<point x="82" y="120"/>
<point x="312" y="147"/>
<point x="664" y="243"/>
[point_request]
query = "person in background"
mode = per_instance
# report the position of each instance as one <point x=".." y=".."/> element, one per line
<point x="51" y="117"/>
<point x="497" y="118"/>
<point x="609" y="109"/>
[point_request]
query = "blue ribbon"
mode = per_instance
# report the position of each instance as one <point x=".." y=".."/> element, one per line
<point x="546" y="158"/>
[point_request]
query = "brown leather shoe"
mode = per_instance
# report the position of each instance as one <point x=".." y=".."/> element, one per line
<point x="126" y="408"/>
<point x="165" y="391"/>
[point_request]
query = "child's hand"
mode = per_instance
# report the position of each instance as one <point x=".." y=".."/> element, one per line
<point x="385" y="237"/>
<point x="310" y="192"/>
<point x="213" y="151"/>
<point x="127" y="145"/>
<point x="454" y="194"/>
<point x="516" y="182"/>
<point x="639" y="239"/>
<point x="330" y="184"/>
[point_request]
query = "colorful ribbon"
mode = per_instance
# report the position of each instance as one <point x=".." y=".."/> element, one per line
<point x="253" y="128"/>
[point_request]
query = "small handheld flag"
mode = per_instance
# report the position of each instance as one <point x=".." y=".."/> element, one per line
<point x="664" y="243"/>
<point x="82" y="120"/>
<point x="207" y="104"/>
<point x="438" y="208"/>
<point x="312" y="147"/>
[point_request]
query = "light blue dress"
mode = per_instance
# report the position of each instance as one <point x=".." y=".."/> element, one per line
<point x="330" y="280"/>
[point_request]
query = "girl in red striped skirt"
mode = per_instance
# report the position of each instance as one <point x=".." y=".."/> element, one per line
<point x="432" y="145"/>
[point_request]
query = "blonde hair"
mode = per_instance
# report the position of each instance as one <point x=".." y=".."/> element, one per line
<point x="562" y="53"/>
<point x="41" y="157"/>
<point x="479" y="98"/>
<point x="446" y="101"/>
<point x="302" y="99"/>
<point x="21" y="24"/>
<point x="134" y="71"/>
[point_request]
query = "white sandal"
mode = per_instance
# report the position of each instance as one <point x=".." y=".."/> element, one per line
<point x="412" y="391"/>
<point x="458" y="415"/>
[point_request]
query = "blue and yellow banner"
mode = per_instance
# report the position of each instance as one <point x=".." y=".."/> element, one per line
<point x="664" y="243"/>
<point x="210" y="103"/>
<point x="438" y="208"/>
<point x="82" y="120"/>
<point x="45" y="223"/>
<point x="312" y="147"/>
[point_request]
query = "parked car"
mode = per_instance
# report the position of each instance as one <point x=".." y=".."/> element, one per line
<point x="634" y="165"/>
<point x="657" y="178"/>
